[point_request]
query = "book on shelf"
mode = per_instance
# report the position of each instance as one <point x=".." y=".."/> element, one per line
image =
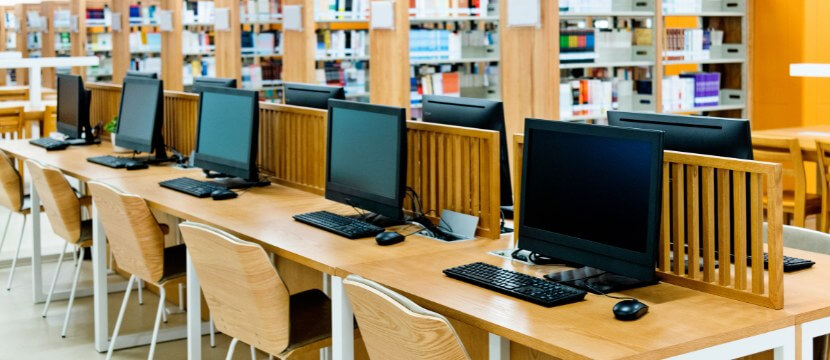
<point x="196" y="43"/>
<point x="691" y="44"/>
<point x="11" y="41"/>
<point x="142" y="41"/>
<point x="612" y="38"/>
<point x="62" y="42"/>
<point x="342" y="43"/>
<point x="99" y="42"/>
<point x="353" y="76"/>
<point x="577" y="45"/>
<point x="261" y="43"/>
<point x="261" y="76"/>
<point x="251" y="11"/>
<point x="11" y="21"/>
<point x="341" y="9"/>
<point x="150" y="64"/>
<point x="682" y="6"/>
<point x="450" y="8"/>
<point x="99" y="16"/>
<point x="428" y="44"/>
<point x="143" y="14"/>
<point x="34" y="41"/>
<point x="103" y="69"/>
<point x="34" y="21"/>
<point x="585" y="6"/>
<point x="591" y="97"/>
<point x="61" y="19"/>
<point x="451" y="80"/>
<point x="691" y="90"/>
<point x="205" y="66"/>
<point x="198" y="12"/>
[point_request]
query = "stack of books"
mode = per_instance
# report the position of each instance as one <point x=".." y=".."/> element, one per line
<point x="143" y="15"/>
<point x="199" y="12"/>
<point x="353" y="76"/>
<point x="264" y="43"/>
<point x="98" y="16"/>
<point x="577" y="45"/>
<point x="260" y="11"/>
<point x="99" y="42"/>
<point x="591" y="97"/>
<point x="341" y="10"/>
<point x="434" y="45"/>
<point x="196" y="43"/>
<point x="150" y="64"/>
<point x="691" y="44"/>
<point x="205" y="66"/>
<point x="342" y="43"/>
<point x="610" y="38"/>
<point x="141" y="41"/>
<point x="692" y="90"/>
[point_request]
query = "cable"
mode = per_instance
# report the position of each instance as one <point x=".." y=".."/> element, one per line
<point x="610" y="296"/>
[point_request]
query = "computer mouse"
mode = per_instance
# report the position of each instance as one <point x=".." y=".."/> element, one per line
<point x="389" y="238"/>
<point x="629" y="309"/>
<point x="137" y="165"/>
<point x="222" y="195"/>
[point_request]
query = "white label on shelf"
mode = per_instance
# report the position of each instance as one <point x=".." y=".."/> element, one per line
<point x="73" y="23"/>
<point x="116" y="22"/>
<point x="383" y="15"/>
<point x="523" y="13"/>
<point x="222" y="18"/>
<point x="292" y="17"/>
<point x="166" y="20"/>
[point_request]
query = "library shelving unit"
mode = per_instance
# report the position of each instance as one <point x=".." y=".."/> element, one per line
<point x="11" y="28"/>
<point x="262" y="47"/>
<point x="30" y="32"/>
<point x="714" y="53"/>
<point x="91" y="35"/>
<point x="56" y="41"/>
<point x="341" y="42"/>
<point x="189" y="50"/>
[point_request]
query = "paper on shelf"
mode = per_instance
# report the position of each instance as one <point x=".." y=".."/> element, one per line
<point x="116" y="21"/>
<point x="166" y="20"/>
<point x="73" y="23"/>
<point x="523" y="13"/>
<point x="292" y="17"/>
<point x="383" y="15"/>
<point x="222" y="19"/>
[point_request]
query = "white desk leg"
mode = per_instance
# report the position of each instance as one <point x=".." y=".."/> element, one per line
<point x="781" y="341"/>
<point x="37" y="266"/>
<point x="325" y="353"/>
<point x="342" y="322"/>
<point x="194" y="313"/>
<point x="99" y="285"/>
<point x="499" y="348"/>
<point x="34" y="86"/>
<point x="809" y="331"/>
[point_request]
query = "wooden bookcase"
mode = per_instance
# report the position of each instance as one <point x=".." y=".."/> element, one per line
<point x="51" y="46"/>
<point x="3" y="41"/>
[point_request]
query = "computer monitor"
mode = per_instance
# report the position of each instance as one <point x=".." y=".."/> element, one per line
<point x="366" y="158"/>
<point x="313" y="96"/>
<point x="141" y="74"/>
<point x="479" y="114"/>
<point x="140" y="116"/>
<point x="227" y="134"/>
<point x="591" y="195"/>
<point x="200" y="83"/>
<point x="693" y="134"/>
<point x="73" y="108"/>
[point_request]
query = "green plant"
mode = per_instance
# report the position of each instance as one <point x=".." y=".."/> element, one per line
<point x="111" y="126"/>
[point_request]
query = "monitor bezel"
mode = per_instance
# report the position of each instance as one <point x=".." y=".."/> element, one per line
<point x="199" y="83"/>
<point x="388" y="207"/>
<point x="73" y="131"/>
<point x="334" y="92"/>
<point x="156" y="142"/>
<point x="617" y="260"/>
<point x="246" y="171"/>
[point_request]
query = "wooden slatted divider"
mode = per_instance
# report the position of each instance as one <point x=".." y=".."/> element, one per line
<point x="181" y="112"/>
<point x="456" y="168"/>
<point x="103" y="107"/>
<point x="697" y="190"/>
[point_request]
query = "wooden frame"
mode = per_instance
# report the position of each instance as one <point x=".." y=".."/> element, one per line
<point x="688" y="218"/>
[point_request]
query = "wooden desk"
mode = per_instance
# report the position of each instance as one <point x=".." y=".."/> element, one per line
<point x="807" y="137"/>
<point x="73" y="163"/>
<point x="30" y="113"/>
<point x="264" y="215"/>
<point x="680" y="320"/>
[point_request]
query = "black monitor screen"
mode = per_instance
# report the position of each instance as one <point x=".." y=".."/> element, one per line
<point x="70" y="98"/>
<point x="356" y="165"/>
<point x="227" y="131"/>
<point x="591" y="195"/>
<point x="139" y="106"/>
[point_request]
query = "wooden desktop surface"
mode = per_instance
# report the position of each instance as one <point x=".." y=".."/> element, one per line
<point x="680" y="320"/>
<point x="72" y="161"/>
<point x="807" y="137"/>
<point x="264" y="215"/>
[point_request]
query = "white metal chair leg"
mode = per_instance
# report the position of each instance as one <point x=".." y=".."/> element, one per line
<point x="16" y="254"/>
<point x="253" y="353"/>
<point x="164" y="315"/>
<point x="212" y="333"/>
<point x="162" y="295"/>
<point x="140" y="288"/>
<point x="120" y="316"/>
<point x="6" y="229"/>
<point x="230" y="349"/>
<point x="78" y="267"/>
<point x="54" y="280"/>
<point x="181" y="297"/>
<point x="270" y="357"/>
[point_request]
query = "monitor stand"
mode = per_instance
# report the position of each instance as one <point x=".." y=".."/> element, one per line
<point x="377" y="219"/>
<point x="238" y="183"/>
<point x="596" y="281"/>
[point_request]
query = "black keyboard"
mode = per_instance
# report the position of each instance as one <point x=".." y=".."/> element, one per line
<point x="525" y="287"/>
<point x="116" y="162"/>
<point x="49" y="144"/>
<point x="340" y="225"/>
<point x="200" y="189"/>
<point x="790" y="263"/>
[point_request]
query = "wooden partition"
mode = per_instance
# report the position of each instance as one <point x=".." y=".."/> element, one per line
<point x="103" y="107"/>
<point x="698" y="192"/>
<point x="292" y="146"/>
<point x="180" y="116"/>
<point x="456" y="168"/>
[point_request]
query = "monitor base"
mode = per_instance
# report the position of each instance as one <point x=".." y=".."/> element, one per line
<point x="377" y="219"/>
<point x="596" y="281"/>
<point x="238" y="183"/>
<point x="149" y="160"/>
<point x="82" y="142"/>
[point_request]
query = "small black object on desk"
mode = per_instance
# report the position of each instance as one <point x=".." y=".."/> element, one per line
<point x="389" y="238"/>
<point x="222" y="194"/>
<point x="630" y="309"/>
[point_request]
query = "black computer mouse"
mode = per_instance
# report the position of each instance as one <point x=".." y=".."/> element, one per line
<point x="136" y="165"/>
<point x="389" y="238"/>
<point x="222" y="195"/>
<point x="629" y="309"/>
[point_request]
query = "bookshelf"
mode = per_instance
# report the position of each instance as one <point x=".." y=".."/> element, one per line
<point x="262" y="46"/>
<point x="93" y="36"/>
<point x="56" y="38"/>
<point x="11" y="28"/>
<point x="2" y="41"/>
<point x="198" y="40"/>
<point x="342" y="47"/>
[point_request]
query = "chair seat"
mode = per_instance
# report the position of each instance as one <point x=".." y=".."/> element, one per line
<point x="310" y="313"/>
<point x="175" y="263"/>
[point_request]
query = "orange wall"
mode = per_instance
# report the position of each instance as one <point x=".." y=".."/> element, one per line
<point x="816" y="100"/>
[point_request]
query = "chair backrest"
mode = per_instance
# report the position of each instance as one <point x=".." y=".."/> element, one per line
<point x="243" y="290"/>
<point x="50" y="120"/>
<point x="787" y="152"/>
<point x="823" y="156"/>
<point x="62" y="205"/>
<point x="804" y="239"/>
<point x="394" y="327"/>
<point x="136" y="240"/>
<point x="11" y="187"/>
<point x="19" y="93"/>
<point x="11" y="121"/>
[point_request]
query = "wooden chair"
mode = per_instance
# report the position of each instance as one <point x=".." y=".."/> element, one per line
<point x="14" y="94"/>
<point x="11" y="122"/>
<point x="63" y="209"/>
<point x="249" y="301"/>
<point x="798" y="204"/>
<point x="50" y="120"/>
<point x="12" y="198"/>
<point x="137" y="243"/>
<point x="394" y="327"/>
<point x="823" y="156"/>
